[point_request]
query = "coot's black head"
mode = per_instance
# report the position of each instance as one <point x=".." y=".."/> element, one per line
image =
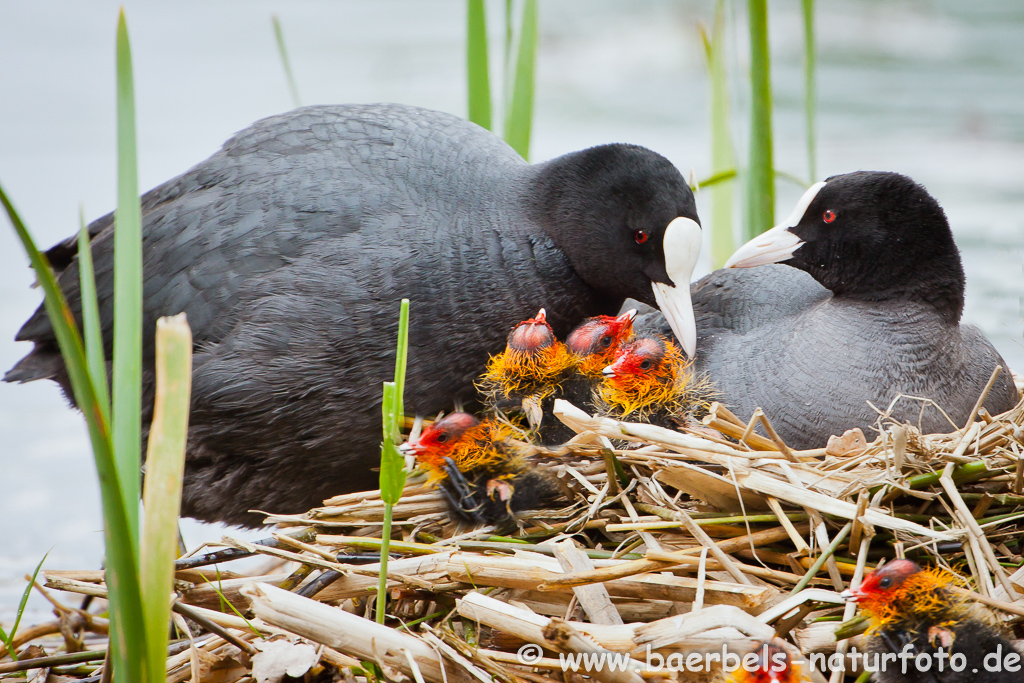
<point x="627" y="221"/>
<point x="872" y="236"/>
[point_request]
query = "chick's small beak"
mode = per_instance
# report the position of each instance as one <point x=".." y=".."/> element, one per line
<point x="609" y="371"/>
<point x="852" y="595"/>
<point x="627" y="317"/>
<point x="409" y="448"/>
<point x="682" y="247"/>
<point x="777" y="244"/>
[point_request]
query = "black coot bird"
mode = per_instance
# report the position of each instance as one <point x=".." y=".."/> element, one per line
<point x="866" y="308"/>
<point x="290" y="248"/>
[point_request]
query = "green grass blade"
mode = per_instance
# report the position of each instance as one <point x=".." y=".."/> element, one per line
<point x="91" y="329"/>
<point x="715" y="179"/>
<point x="385" y="550"/>
<point x="121" y="544"/>
<point x="127" y="381"/>
<point x="401" y="360"/>
<point x="283" y="52"/>
<point x="519" y="117"/>
<point x="8" y="638"/>
<point x="477" y="73"/>
<point x="392" y="464"/>
<point x="810" y="89"/>
<point x="723" y="241"/>
<point x="165" y="463"/>
<point x="760" y="179"/>
<point x="392" y="478"/>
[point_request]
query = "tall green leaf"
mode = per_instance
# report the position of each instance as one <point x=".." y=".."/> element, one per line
<point x="127" y="389"/>
<point x="285" y="62"/>
<point x="477" y="71"/>
<point x="165" y="462"/>
<point x="392" y="464"/>
<point x="723" y="242"/>
<point x="760" y="178"/>
<point x="519" y="115"/>
<point x="92" y="330"/>
<point x="810" y="89"/>
<point x="121" y="544"/>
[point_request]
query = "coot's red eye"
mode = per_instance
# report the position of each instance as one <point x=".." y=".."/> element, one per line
<point x="640" y="236"/>
<point x="828" y="216"/>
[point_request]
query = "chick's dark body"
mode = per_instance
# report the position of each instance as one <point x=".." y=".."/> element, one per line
<point x="289" y="250"/>
<point x="962" y="661"/>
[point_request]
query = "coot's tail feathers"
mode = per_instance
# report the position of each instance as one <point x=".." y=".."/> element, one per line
<point x="40" y="363"/>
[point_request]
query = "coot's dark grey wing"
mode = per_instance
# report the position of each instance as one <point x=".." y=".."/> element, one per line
<point x="270" y="196"/>
<point x="731" y="302"/>
<point x="289" y="250"/>
<point x="735" y="301"/>
<point x="976" y="359"/>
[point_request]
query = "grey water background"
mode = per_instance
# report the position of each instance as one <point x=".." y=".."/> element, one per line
<point x="931" y="88"/>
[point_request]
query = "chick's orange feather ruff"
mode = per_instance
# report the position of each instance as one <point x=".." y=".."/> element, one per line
<point x="484" y="445"/>
<point x="638" y="396"/>
<point x="592" y="365"/>
<point x="537" y="372"/>
<point x="923" y="594"/>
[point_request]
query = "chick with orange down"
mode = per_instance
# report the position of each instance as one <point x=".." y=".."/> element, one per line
<point x="530" y="369"/>
<point x="535" y="369"/>
<point x="913" y="611"/>
<point x="652" y="381"/>
<point x="479" y="470"/>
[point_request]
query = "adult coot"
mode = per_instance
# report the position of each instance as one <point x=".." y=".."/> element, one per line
<point x="290" y="248"/>
<point x="866" y="308"/>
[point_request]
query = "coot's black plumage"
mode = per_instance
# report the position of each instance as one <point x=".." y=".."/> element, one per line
<point x="866" y="308"/>
<point x="290" y="248"/>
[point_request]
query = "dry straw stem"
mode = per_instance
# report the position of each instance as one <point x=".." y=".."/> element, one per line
<point x="349" y="633"/>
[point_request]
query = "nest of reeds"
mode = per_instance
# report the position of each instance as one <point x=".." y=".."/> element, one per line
<point x="680" y="543"/>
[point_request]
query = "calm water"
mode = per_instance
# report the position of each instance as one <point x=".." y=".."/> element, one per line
<point x="929" y="88"/>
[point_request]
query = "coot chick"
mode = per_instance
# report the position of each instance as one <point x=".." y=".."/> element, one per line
<point x="596" y="341"/>
<point x="652" y="381"/>
<point x="592" y="346"/>
<point x="866" y="307"/>
<point x="914" y="613"/>
<point x="290" y="248"/>
<point x="480" y="473"/>
<point x="531" y="369"/>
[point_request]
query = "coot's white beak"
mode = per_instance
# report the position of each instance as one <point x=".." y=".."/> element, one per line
<point x="682" y="246"/>
<point x="777" y="244"/>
